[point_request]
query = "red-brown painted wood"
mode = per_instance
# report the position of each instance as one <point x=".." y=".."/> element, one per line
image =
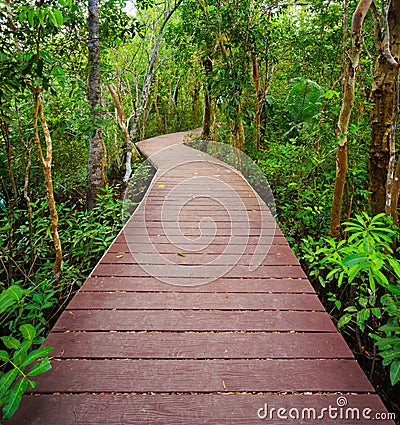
<point x="194" y="301"/>
<point x="190" y="320"/>
<point x="204" y="409"/>
<point x="133" y="349"/>
<point x="206" y="345"/>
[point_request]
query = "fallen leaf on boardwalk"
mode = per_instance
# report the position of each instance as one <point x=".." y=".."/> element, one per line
<point x="72" y="314"/>
<point x="226" y="295"/>
<point x="119" y="256"/>
<point x="161" y="185"/>
<point x="223" y="384"/>
<point x="181" y="254"/>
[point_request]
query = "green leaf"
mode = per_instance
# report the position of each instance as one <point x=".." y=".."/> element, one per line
<point x="31" y="17"/>
<point x="376" y="312"/>
<point x="362" y="317"/>
<point x="52" y="18"/>
<point x="4" y="356"/>
<point x="59" y="17"/>
<point x="354" y="259"/>
<point x="14" y="398"/>
<point x="381" y="278"/>
<point x="10" y="342"/>
<point x="395" y="265"/>
<point x="28" y="332"/>
<point x="346" y="318"/>
<point x="36" y="354"/>
<point x="21" y="353"/>
<point x="7" y="380"/>
<point x="389" y="327"/>
<point x="395" y="372"/>
<point x="388" y="356"/>
<point x="40" y="367"/>
<point x="10" y="296"/>
<point x="351" y="309"/>
<point x="181" y="254"/>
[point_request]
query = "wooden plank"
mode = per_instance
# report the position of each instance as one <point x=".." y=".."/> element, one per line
<point x="194" y="258"/>
<point x="193" y="301"/>
<point x="194" y="231"/>
<point x="212" y="272"/>
<point x="252" y="240"/>
<point x="189" y="320"/>
<point x="204" y="345"/>
<point x="151" y="284"/>
<point x="200" y="409"/>
<point x="72" y="376"/>
<point x="273" y="249"/>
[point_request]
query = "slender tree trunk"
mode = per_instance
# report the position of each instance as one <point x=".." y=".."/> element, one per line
<point x="97" y="153"/>
<point x="46" y="160"/>
<point x="168" y="12"/>
<point x="195" y="101"/>
<point x="348" y="89"/>
<point x="215" y="125"/>
<point x="208" y="67"/>
<point x="385" y="97"/>
<point x="157" y="109"/>
<point x="120" y="113"/>
<point x="260" y="98"/>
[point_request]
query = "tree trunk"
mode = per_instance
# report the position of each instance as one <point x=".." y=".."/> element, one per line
<point x="385" y="97"/>
<point x="260" y="98"/>
<point x="46" y="161"/>
<point x="195" y="101"/>
<point x="97" y="153"/>
<point x="208" y="67"/>
<point x="348" y="89"/>
<point x="120" y="113"/>
<point x="168" y="12"/>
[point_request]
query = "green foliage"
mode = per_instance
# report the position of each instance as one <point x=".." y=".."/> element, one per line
<point x="29" y="300"/>
<point x="365" y="265"/>
<point x="304" y="103"/>
<point x="15" y="358"/>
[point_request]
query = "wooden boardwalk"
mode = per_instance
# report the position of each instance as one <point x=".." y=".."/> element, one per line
<point x="178" y="324"/>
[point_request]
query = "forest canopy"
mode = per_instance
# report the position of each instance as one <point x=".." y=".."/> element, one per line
<point x="308" y="90"/>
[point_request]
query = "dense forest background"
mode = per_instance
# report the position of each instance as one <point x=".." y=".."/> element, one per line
<point x="308" y="90"/>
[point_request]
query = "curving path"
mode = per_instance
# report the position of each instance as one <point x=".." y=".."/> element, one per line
<point x="199" y="313"/>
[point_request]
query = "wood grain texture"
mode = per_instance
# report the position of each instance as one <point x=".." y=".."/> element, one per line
<point x="194" y="301"/>
<point x="133" y="349"/>
<point x="201" y="409"/>
<point x="151" y="284"/>
<point x="203" y="345"/>
<point x="187" y="320"/>
<point x="206" y="376"/>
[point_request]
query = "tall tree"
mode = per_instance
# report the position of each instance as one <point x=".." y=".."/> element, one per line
<point x="168" y="11"/>
<point x="97" y="150"/>
<point x="348" y="89"/>
<point x="383" y="185"/>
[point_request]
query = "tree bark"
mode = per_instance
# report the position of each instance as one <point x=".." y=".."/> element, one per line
<point x="120" y="114"/>
<point x="97" y="151"/>
<point x="46" y="161"/>
<point x="260" y="98"/>
<point x="208" y="67"/>
<point x="385" y="97"/>
<point x="168" y="12"/>
<point x="348" y="89"/>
